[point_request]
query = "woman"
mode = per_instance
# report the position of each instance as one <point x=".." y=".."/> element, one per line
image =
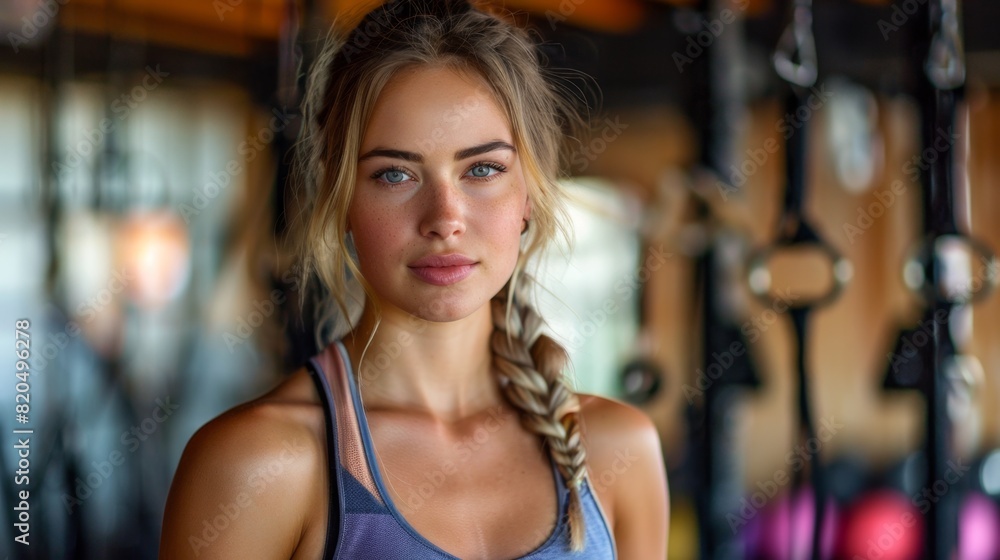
<point x="429" y="164"/>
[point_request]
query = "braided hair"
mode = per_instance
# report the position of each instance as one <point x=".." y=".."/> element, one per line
<point x="530" y="367"/>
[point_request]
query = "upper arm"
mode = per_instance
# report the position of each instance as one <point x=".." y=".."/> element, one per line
<point x="625" y="458"/>
<point x="241" y="489"/>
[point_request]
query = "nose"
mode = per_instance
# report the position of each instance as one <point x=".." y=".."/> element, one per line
<point x="444" y="210"/>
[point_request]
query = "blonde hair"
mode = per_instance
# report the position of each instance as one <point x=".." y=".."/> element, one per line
<point x="345" y="81"/>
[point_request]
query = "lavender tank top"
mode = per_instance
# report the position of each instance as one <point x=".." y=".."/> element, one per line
<point x="364" y="522"/>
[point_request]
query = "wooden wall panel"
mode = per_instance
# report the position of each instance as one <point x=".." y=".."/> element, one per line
<point x="850" y="339"/>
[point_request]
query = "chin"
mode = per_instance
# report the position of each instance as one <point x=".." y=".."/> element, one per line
<point x="447" y="304"/>
<point x="445" y="308"/>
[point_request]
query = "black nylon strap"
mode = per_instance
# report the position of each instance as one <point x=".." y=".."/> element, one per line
<point x="794" y="229"/>
<point x="333" y="515"/>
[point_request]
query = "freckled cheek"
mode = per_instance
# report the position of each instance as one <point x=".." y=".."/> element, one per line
<point x="504" y="221"/>
<point x="377" y="239"/>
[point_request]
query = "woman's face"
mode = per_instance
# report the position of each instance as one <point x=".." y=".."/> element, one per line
<point x="437" y="176"/>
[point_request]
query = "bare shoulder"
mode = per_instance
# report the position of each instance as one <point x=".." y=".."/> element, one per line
<point x="607" y="419"/>
<point x="625" y="460"/>
<point x="247" y="480"/>
<point x="617" y="436"/>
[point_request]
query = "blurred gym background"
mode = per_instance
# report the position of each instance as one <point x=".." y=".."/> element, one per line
<point x="785" y="219"/>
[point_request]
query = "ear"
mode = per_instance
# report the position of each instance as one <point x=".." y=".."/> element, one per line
<point x="527" y="209"/>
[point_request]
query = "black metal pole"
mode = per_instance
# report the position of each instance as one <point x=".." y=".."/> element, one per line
<point x="938" y="109"/>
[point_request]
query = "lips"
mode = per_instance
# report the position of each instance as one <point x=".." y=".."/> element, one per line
<point x="443" y="270"/>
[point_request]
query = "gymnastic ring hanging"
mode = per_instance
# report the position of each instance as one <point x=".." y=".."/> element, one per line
<point x="759" y="275"/>
<point x="921" y="260"/>
<point x="795" y="61"/>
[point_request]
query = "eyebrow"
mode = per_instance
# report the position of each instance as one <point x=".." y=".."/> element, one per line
<point x="417" y="158"/>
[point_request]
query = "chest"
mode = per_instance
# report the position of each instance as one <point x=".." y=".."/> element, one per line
<point x="482" y="489"/>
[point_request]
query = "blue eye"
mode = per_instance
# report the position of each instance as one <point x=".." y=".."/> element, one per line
<point x="390" y="174"/>
<point x="393" y="175"/>
<point x="483" y="165"/>
<point x="484" y="168"/>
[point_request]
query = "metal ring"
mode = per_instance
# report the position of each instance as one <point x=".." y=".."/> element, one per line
<point x="797" y="38"/>
<point x="920" y="261"/>
<point x="759" y="277"/>
<point x="945" y="65"/>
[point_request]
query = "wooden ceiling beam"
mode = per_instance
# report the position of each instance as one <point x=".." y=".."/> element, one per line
<point x="220" y="26"/>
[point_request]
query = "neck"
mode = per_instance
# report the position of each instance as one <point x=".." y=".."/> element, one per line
<point x="440" y="369"/>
